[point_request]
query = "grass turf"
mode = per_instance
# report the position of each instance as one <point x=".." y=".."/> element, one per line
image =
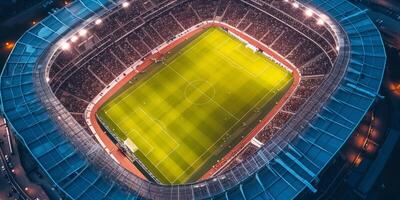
<point x="184" y="114"/>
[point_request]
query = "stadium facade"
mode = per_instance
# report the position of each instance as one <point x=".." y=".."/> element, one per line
<point x="289" y="164"/>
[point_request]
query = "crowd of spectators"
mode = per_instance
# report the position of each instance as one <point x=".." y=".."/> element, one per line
<point x="234" y="13"/>
<point x="127" y="35"/>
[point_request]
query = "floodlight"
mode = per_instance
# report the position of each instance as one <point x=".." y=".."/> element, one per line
<point x="83" y="32"/>
<point x="98" y="21"/>
<point x="320" y="22"/>
<point x="309" y="12"/>
<point x="65" y="46"/>
<point x="125" y="4"/>
<point x="74" y="38"/>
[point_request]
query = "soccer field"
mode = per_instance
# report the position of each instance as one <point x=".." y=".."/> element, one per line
<point x="185" y="113"/>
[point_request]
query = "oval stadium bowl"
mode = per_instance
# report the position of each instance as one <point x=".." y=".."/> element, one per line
<point x="195" y="99"/>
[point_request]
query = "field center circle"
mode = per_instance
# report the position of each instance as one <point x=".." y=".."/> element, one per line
<point x="199" y="92"/>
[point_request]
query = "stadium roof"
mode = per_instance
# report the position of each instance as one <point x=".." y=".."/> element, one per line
<point x="280" y="174"/>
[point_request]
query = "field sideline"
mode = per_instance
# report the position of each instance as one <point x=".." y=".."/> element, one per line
<point x="183" y="114"/>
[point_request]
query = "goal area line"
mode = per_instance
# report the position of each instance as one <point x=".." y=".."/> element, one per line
<point x="111" y="148"/>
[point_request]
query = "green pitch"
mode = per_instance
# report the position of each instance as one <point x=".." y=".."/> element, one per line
<point x="184" y="114"/>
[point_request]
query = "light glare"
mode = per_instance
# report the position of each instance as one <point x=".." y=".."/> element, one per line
<point x="295" y="5"/>
<point x="125" y="4"/>
<point x="320" y="22"/>
<point x="65" y="46"/>
<point x="83" y="32"/>
<point x="309" y="12"/>
<point x="98" y="21"/>
<point x="74" y="38"/>
<point x="323" y="16"/>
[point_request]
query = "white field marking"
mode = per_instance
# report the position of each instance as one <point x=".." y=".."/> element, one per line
<point x="256" y="104"/>
<point x="127" y="117"/>
<point x="238" y="120"/>
<point x="223" y="136"/>
<point x="181" y="53"/>
<point x="167" y="65"/>
<point x="235" y="65"/>
<point x="161" y="127"/>
<point x="166" y="156"/>
<point x="260" y="57"/>
<point x="211" y="99"/>
<point x="196" y="42"/>
<point x="130" y="132"/>
<point x="123" y="119"/>
<point x="177" y="145"/>
<point x="265" y="68"/>
<point x="151" y="161"/>
<point x="120" y="121"/>
<point x="227" y="59"/>
<point x="191" y="86"/>
<point x="149" y="144"/>
<point x="230" y="127"/>
<point x="243" y="44"/>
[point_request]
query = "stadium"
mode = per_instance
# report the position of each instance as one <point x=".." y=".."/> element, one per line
<point x="192" y="99"/>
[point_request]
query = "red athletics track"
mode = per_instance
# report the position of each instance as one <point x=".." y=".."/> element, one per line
<point x="126" y="163"/>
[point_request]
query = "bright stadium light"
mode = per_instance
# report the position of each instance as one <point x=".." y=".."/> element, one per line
<point x="65" y="46"/>
<point x="286" y="0"/>
<point x="82" y="32"/>
<point x="98" y="21"/>
<point x="320" y="22"/>
<point x="295" y="4"/>
<point x="324" y="17"/>
<point x="125" y="4"/>
<point x="309" y="12"/>
<point x="74" y="38"/>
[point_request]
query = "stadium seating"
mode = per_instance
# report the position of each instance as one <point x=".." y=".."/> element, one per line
<point x="288" y="163"/>
<point x="85" y="76"/>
